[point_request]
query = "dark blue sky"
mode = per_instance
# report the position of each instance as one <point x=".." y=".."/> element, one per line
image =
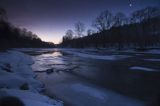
<point x="49" y="19"/>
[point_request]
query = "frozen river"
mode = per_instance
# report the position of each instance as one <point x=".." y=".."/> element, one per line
<point x="98" y="78"/>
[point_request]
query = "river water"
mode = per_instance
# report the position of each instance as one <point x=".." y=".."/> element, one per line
<point x="84" y="81"/>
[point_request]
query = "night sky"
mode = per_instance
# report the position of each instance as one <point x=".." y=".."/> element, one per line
<point x="49" y="19"/>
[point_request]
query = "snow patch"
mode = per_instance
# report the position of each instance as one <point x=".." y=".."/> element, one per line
<point x="153" y="60"/>
<point x="90" y="91"/>
<point x="141" y="68"/>
<point x="30" y="98"/>
<point x="154" y="51"/>
<point x="105" y="57"/>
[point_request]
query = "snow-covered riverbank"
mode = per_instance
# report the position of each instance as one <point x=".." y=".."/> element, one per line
<point x="17" y="79"/>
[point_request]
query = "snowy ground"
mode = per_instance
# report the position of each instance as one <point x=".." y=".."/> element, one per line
<point x="17" y="79"/>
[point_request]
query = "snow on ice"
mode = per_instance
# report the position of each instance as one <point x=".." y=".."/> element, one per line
<point x="153" y="60"/>
<point x="104" y="57"/>
<point x="86" y="89"/>
<point x="85" y="94"/>
<point x="142" y="68"/>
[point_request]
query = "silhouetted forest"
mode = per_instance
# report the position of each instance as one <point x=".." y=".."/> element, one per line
<point x="140" y="30"/>
<point x="14" y="37"/>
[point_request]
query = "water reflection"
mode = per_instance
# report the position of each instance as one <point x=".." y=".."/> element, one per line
<point x="57" y="54"/>
<point x="47" y="61"/>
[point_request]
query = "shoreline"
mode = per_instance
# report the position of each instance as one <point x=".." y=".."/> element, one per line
<point x="22" y="84"/>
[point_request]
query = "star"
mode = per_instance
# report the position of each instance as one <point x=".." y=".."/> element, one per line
<point x="130" y="4"/>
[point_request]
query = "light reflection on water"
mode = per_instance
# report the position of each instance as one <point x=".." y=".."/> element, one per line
<point x="53" y="54"/>
<point x="47" y="61"/>
<point x="57" y="54"/>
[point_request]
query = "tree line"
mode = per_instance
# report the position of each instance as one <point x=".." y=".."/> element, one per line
<point x="140" y="30"/>
<point x="14" y="37"/>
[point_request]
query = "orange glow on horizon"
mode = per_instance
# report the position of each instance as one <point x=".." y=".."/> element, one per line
<point x="56" y="38"/>
<point x="46" y="33"/>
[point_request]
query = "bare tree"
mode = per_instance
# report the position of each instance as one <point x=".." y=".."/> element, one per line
<point x="150" y="12"/>
<point x="79" y="29"/>
<point x="90" y="32"/>
<point x="136" y="17"/>
<point x="119" y="19"/>
<point x="69" y="34"/>
<point x="103" y="21"/>
<point x="145" y="14"/>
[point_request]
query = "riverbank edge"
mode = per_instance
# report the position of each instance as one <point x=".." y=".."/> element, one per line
<point x="22" y="84"/>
